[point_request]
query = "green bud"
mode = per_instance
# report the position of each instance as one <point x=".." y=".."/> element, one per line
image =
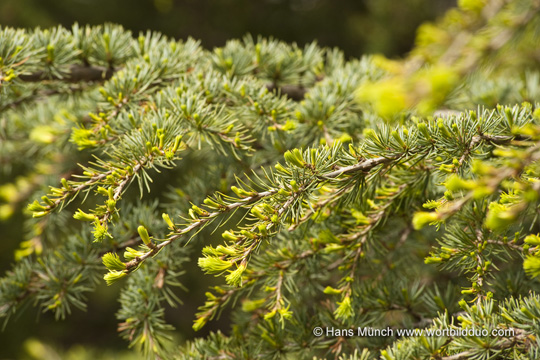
<point x="280" y="168"/>
<point x="331" y="291"/>
<point x="56" y="191"/>
<point x="47" y="201"/>
<point x="270" y="315"/>
<point x="422" y="218"/>
<point x="113" y="276"/>
<point x="241" y="192"/>
<point x="227" y="235"/>
<point x="36" y="206"/>
<point x="284" y="192"/>
<point x="344" y="310"/>
<point x="454" y="183"/>
<point x="258" y="52"/>
<point x="267" y="208"/>
<point x="531" y="265"/>
<point x="211" y="203"/>
<point x="509" y="117"/>
<point x="499" y="216"/>
<point x="289" y="125"/>
<point x="143" y="233"/>
<point x="294" y="186"/>
<point x="213" y="265"/>
<point x="38" y="214"/>
<point x="168" y="220"/>
<point x="433" y="260"/>
<point x="294" y="157"/>
<point x="398" y="138"/>
<point x="100" y="231"/>
<point x="332" y="248"/>
<point x="102" y="191"/>
<point x="50" y="52"/>
<point x="370" y="134"/>
<point x="533" y="240"/>
<point x="252" y="305"/>
<point x="262" y="230"/>
<point x="65" y="184"/>
<point x="81" y="215"/>
<point x="111" y="205"/>
<point x="235" y="277"/>
<point x="141" y="42"/>
<point x="161" y="140"/>
<point x="386" y="356"/>
<point x="131" y="254"/>
<point x="443" y="128"/>
<point x="360" y="218"/>
<point x="148" y="147"/>
<point x="199" y="323"/>
<point x="199" y="211"/>
<point x="447" y="168"/>
<point x="177" y="140"/>
<point x="247" y="234"/>
<point x="226" y="250"/>
<point x="112" y="262"/>
<point x="107" y="40"/>
<point x="258" y="213"/>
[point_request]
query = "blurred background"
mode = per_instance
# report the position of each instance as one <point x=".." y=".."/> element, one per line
<point x="356" y="26"/>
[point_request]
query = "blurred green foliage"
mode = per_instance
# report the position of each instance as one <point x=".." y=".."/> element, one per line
<point x="355" y="26"/>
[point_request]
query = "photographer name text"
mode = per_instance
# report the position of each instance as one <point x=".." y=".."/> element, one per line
<point x="387" y="332"/>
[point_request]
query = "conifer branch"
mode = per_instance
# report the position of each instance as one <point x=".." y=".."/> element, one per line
<point x="356" y="149"/>
<point x="76" y="73"/>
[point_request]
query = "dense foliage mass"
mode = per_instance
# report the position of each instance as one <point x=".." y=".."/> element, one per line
<point x="348" y="194"/>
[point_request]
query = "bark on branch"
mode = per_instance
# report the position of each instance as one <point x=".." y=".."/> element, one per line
<point x="77" y="73"/>
<point x="294" y="92"/>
